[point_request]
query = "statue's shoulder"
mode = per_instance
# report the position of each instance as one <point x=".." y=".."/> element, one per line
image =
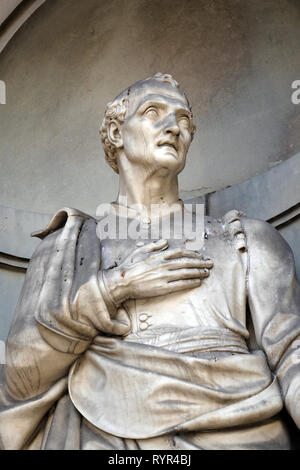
<point x="59" y="220"/>
<point x="247" y="234"/>
<point x="263" y="239"/>
<point x="254" y="235"/>
<point x="257" y="228"/>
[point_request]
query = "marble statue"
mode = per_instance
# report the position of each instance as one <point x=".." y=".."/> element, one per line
<point x="148" y="344"/>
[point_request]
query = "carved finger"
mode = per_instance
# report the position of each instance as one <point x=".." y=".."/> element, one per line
<point x="188" y="274"/>
<point x="156" y="246"/>
<point x="180" y="253"/>
<point x="188" y="263"/>
<point x="183" y="284"/>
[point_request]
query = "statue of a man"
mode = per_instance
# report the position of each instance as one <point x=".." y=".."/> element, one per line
<point x="147" y="344"/>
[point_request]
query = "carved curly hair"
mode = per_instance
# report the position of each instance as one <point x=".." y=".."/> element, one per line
<point x="116" y="111"/>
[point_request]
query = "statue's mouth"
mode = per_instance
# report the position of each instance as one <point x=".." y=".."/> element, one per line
<point x="169" y="144"/>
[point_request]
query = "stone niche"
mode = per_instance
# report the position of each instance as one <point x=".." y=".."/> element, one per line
<point x="235" y="59"/>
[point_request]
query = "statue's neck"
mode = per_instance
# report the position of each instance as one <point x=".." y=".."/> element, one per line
<point x="140" y="188"/>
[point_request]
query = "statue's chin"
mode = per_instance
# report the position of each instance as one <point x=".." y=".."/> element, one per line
<point x="168" y="158"/>
<point x="171" y="165"/>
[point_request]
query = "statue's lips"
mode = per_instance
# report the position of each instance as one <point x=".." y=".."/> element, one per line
<point x="169" y="145"/>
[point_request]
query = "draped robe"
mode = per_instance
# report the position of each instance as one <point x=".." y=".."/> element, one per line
<point x="204" y="368"/>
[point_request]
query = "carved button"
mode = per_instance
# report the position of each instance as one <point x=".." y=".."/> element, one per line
<point x="146" y="220"/>
<point x="143" y="317"/>
<point x="144" y="321"/>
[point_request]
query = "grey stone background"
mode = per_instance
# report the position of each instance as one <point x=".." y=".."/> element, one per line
<point x="236" y="60"/>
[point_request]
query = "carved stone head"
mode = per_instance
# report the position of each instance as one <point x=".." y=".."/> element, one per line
<point x="150" y="123"/>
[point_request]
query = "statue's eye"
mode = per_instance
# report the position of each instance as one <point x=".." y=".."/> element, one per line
<point x="151" y="112"/>
<point x="184" y="121"/>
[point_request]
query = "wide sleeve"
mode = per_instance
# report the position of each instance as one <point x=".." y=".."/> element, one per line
<point x="274" y="301"/>
<point x="60" y="310"/>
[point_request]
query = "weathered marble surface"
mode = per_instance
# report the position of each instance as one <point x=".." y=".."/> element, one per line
<point x="130" y="345"/>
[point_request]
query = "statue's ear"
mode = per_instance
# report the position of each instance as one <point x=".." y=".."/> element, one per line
<point x="114" y="134"/>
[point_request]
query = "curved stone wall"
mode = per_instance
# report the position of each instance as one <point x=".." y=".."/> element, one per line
<point x="235" y="59"/>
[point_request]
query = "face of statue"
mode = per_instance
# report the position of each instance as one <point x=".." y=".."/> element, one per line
<point x="157" y="131"/>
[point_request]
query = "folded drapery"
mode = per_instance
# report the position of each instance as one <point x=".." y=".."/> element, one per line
<point x="195" y="340"/>
<point x="157" y="391"/>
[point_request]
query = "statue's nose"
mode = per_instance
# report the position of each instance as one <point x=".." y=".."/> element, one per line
<point x="172" y="126"/>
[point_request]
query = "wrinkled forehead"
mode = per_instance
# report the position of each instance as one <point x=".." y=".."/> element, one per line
<point x="143" y="91"/>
